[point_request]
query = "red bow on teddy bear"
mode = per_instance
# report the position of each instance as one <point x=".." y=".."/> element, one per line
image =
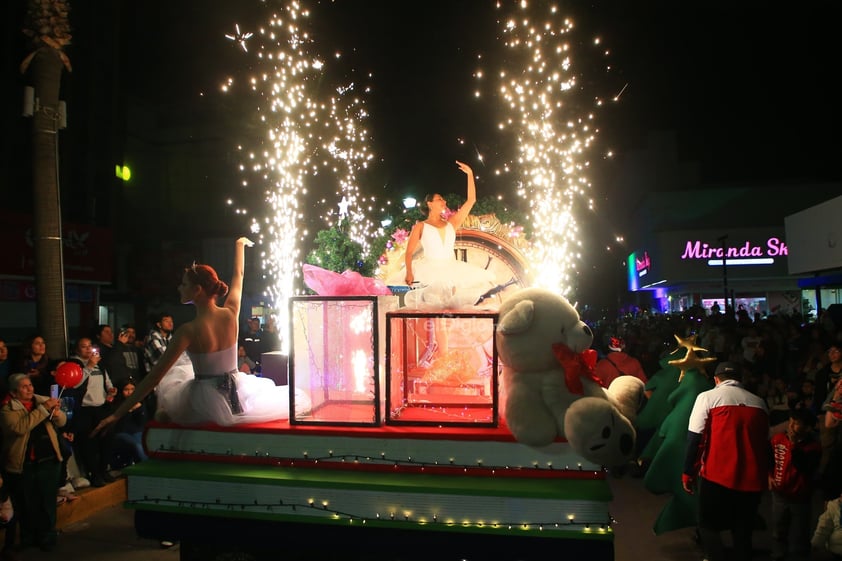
<point x="576" y="366"/>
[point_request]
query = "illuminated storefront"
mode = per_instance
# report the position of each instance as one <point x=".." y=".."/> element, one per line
<point x="748" y="266"/>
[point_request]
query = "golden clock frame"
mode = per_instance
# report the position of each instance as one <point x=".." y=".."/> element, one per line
<point x="478" y="233"/>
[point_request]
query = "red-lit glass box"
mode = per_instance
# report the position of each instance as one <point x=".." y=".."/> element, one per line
<point x="337" y="348"/>
<point x="441" y="368"/>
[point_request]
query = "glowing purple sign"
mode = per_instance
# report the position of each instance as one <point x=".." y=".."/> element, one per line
<point x="745" y="254"/>
<point x="642" y="265"/>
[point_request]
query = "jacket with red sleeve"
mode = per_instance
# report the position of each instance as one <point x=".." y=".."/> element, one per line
<point x="728" y="434"/>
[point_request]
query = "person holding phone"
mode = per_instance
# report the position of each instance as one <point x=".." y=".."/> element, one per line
<point x="94" y="395"/>
<point x="119" y="358"/>
<point x="32" y="458"/>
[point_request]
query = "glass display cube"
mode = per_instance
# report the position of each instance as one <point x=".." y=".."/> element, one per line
<point x="441" y="368"/>
<point x="337" y="358"/>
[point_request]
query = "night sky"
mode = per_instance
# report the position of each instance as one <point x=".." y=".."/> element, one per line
<point x="745" y="87"/>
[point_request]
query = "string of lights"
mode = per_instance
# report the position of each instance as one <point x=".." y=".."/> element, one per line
<point x="570" y="523"/>
<point x="409" y="464"/>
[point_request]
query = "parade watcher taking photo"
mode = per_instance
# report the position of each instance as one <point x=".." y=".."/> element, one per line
<point x="32" y="458"/>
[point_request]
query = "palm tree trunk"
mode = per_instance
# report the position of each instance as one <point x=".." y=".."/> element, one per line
<point x="48" y="28"/>
<point x="46" y="71"/>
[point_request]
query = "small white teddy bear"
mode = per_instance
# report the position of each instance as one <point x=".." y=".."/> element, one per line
<point x="542" y="401"/>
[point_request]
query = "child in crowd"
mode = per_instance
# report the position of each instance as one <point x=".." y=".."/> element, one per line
<point x="128" y="434"/>
<point x="778" y="399"/>
<point x="244" y="362"/>
<point x="806" y="398"/>
<point x="796" y="454"/>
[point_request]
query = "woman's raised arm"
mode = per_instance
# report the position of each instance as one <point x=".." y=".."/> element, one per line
<point x="460" y="215"/>
<point x="235" y="289"/>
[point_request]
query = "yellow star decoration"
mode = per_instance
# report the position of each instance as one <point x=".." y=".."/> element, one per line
<point x="689" y="343"/>
<point x="691" y="360"/>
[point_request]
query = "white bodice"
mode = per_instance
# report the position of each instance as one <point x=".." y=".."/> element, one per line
<point x="216" y="363"/>
<point x="434" y="246"/>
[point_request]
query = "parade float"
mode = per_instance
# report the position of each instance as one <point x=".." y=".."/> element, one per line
<point x="399" y="456"/>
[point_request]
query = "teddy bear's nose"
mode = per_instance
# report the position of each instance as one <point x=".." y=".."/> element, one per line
<point x="587" y="330"/>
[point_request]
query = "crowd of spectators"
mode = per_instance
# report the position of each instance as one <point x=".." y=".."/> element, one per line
<point x="113" y="360"/>
<point x="791" y="363"/>
<point x="794" y="365"/>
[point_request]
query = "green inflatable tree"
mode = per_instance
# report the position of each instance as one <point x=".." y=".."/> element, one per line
<point x="674" y="399"/>
<point x="659" y="387"/>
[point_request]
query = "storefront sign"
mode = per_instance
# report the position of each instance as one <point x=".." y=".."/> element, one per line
<point x="743" y="254"/>
<point x="87" y="251"/>
<point x="641" y="265"/>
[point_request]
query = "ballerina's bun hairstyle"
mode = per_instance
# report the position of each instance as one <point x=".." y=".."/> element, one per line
<point x="206" y="277"/>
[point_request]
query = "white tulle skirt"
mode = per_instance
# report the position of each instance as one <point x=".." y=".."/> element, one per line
<point x="185" y="399"/>
<point x="447" y="284"/>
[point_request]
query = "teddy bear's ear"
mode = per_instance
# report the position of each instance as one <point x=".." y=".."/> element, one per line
<point x="518" y="320"/>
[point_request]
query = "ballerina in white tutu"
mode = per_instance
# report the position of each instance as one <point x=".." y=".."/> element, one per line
<point x="197" y="376"/>
<point x="445" y="282"/>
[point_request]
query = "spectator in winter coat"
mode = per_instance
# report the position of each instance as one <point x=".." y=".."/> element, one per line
<point x="32" y="459"/>
<point x="617" y="363"/>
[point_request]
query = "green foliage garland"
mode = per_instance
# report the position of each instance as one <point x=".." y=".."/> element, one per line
<point x="337" y="252"/>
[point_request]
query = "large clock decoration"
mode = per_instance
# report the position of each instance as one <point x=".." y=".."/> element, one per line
<point x="487" y="243"/>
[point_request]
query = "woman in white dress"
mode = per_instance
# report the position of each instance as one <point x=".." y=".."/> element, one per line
<point x="197" y="376"/>
<point x="445" y="282"/>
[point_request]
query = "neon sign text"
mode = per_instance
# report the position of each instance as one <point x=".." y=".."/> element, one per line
<point x="700" y="250"/>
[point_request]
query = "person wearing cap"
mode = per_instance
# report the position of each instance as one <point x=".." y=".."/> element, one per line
<point x="728" y="452"/>
<point x="618" y="363"/>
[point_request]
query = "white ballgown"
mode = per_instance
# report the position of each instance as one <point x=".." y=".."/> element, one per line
<point x="208" y="388"/>
<point x="445" y="282"/>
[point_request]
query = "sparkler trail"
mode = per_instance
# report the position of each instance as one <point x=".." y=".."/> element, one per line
<point x="302" y="136"/>
<point x="239" y="37"/>
<point x="539" y="90"/>
<point x="349" y="147"/>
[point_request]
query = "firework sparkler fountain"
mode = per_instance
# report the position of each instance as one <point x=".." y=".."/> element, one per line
<point x="539" y="89"/>
<point x="306" y="133"/>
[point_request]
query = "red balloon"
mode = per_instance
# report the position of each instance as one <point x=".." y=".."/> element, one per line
<point x="68" y="374"/>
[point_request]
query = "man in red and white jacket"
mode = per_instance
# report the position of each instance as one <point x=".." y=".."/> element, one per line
<point x="728" y="449"/>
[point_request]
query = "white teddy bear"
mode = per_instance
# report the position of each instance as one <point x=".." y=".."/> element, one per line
<point x="542" y="401"/>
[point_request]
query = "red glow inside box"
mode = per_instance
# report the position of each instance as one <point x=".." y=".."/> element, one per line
<point x="337" y="357"/>
<point x="441" y="368"/>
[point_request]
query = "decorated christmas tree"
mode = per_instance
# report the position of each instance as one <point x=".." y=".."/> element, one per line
<point x="336" y="251"/>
